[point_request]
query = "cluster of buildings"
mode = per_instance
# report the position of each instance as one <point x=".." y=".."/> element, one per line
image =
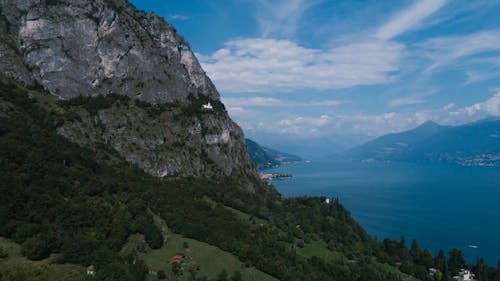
<point x="463" y="275"/>
<point x="207" y="106"/>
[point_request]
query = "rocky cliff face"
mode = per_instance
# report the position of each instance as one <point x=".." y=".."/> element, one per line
<point x="84" y="47"/>
<point x="93" y="48"/>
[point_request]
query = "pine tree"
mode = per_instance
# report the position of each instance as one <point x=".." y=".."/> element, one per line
<point x="415" y="251"/>
<point x="456" y="261"/>
<point x="446" y="272"/>
<point x="497" y="273"/>
<point x="481" y="270"/>
<point x="403" y="251"/>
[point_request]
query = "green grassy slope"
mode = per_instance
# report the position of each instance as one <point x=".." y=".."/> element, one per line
<point x="15" y="265"/>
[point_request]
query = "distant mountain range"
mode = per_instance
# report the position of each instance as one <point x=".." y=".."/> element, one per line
<point x="267" y="158"/>
<point x="474" y="144"/>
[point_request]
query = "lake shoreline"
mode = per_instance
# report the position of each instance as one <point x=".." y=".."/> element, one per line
<point x="418" y="201"/>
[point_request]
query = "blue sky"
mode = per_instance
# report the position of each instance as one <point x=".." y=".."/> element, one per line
<point x="344" y="70"/>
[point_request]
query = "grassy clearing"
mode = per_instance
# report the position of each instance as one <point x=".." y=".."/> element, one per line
<point x="390" y="268"/>
<point x="319" y="249"/>
<point x="15" y="260"/>
<point x="209" y="259"/>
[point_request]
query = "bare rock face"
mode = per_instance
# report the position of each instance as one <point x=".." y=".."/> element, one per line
<point x="170" y="143"/>
<point x="93" y="48"/>
<point x="97" y="47"/>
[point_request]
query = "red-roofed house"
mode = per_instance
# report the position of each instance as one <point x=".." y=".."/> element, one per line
<point x="91" y="270"/>
<point x="177" y="259"/>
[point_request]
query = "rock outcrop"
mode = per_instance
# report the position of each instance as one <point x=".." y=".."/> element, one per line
<point x="93" y="48"/>
<point x="83" y="47"/>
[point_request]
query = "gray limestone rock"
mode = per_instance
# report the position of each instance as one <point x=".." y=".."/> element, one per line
<point x="94" y="48"/>
<point x="97" y="47"/>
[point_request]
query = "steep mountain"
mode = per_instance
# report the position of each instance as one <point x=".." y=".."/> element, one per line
<point x="395" y="146"/>
<point x="267" y="158"/>
<point x="107" y="49"/>
<point x="474" y="144"/>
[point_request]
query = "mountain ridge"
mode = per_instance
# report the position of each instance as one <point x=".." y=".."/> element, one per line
<point x="470" y="144"/>
<point x="267" y="158"/>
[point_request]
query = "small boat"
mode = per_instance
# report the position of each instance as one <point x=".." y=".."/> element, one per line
<point x="473" y="246"/>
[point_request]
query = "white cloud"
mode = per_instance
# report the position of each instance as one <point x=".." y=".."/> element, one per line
<point x="380" y="124"/>
<point x="451" y="115"/>
<point x="374" y="125"/>
<point x="274" y="102"/>
<point x="405" y="101"/>
<point x="409" y="18"/>
<point x="490" y="107"/>
<point x="256" y="65"/>
<point x="300" y="125"/>
<point x="448" y="106"/>
<point x="281" y="18"/>
<point x="371" y="125"/>
<point x="443" y="51"/>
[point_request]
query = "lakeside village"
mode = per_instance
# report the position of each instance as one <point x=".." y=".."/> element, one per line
<point x="268" y="177"/>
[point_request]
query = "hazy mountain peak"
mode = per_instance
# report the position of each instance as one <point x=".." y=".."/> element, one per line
<point x="473" y="144"/>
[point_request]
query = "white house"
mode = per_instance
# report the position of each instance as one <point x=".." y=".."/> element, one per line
<point x="207" y="106"/>
<point x="327" y="200"/>
<point x="464" y="275"/>
<point x="91" y="270"/>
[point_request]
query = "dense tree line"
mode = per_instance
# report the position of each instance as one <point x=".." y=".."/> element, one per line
<point x="84" y="202"/>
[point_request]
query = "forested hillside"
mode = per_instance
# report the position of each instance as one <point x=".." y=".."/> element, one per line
<point x="83" y="202"/>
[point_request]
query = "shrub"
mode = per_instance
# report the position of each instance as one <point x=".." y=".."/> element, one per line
<point x="35" y="249"/>
<point x="153" y="235"/>
<point x="3" y="253"/>
<point x="161" y="275"/>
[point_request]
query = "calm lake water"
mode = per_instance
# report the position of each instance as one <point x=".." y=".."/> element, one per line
<point x="442" y="206"/>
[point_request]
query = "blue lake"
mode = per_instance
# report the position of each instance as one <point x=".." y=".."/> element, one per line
<point x="442" y="206"/>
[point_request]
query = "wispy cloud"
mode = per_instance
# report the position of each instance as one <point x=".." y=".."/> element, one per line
<point x="274" y="102"/>
<point x="257" y="65"/>
<point x="443" y="51"/>
<point x="178" y="17"/>
<point x="474" y="77"/>
<point x="409" y="18"/>
<point x="242" y="113"/>
<point x="281" y="18"/>
<point x="405" y="101"/>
